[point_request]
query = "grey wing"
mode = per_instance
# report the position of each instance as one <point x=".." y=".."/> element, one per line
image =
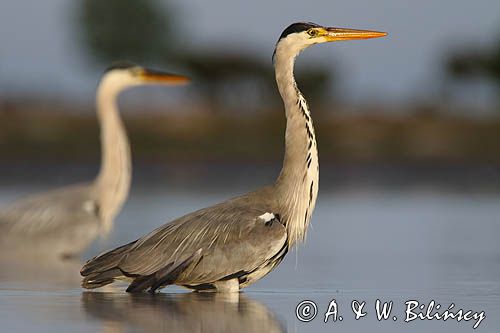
<point x="50" y="212"/>
<point x="218" y="242"/>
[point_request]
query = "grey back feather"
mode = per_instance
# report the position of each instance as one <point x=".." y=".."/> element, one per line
<point x="62" y="221"/>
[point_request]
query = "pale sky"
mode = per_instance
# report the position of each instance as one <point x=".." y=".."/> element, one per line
<point x="39" y="51"/>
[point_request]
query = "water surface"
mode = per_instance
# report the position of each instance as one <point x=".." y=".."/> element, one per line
<point x="366" y="243"/>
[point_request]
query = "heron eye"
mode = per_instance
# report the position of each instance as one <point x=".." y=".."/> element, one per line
<point x="312" y="32"/>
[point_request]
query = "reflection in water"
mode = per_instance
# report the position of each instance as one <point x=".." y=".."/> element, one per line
<point x="189" y="312"/>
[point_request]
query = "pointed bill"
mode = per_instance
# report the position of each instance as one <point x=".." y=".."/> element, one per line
<point x="338" y="34"/>
<point x="154" y="75"/>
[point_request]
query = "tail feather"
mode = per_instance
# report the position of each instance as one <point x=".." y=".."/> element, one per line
<point x="88" y="283"/>
<point x="105" y="261"/>
<point x="97" y="280"/>
<point x="163" y="277"/>
<point x="103" y="269"/>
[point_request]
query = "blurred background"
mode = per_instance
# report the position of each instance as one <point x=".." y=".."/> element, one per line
<point x="427" y="93"/>
<point x="408" y="130"/>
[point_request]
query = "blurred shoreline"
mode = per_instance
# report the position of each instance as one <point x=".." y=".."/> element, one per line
<point x="65" y="133"/>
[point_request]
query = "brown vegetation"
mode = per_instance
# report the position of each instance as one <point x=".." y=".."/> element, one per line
<point x="44" y="133"/>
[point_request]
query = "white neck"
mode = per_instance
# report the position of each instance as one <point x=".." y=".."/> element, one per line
<point x="113" y="181"/>
<point x="297" y="184"/>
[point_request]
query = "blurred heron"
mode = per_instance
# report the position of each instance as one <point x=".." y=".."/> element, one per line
<point x="64" y="221"/>
<point x="233" y="244"/>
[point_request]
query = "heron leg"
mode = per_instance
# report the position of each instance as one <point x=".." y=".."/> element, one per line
<point x="227" y="286"/>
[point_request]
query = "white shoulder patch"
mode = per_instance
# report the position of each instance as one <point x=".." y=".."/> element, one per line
<point x="266" y="217"/>
<point x="90" y="207"/>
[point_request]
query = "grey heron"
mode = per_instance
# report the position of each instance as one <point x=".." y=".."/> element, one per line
<point x="62" y="222"/>
<point x="231" y="245"/>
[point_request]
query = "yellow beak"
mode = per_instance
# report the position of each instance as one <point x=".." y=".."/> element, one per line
<point x="338" y="34"/>
<point x="153" y="75"/>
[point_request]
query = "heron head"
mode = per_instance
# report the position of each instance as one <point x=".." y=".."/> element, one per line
<point x="301" y="35"/>
<point x="126" y="75"/>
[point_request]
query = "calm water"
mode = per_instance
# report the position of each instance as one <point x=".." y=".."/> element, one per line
<point x="366" y="243"/>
